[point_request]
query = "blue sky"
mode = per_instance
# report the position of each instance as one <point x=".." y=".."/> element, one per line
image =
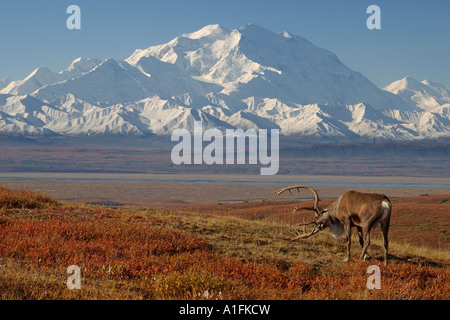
<point x="414" y="38"/>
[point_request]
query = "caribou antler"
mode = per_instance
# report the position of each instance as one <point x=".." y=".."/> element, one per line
<point x="297" y="235"/>
<point x="303" y="236"/>
<point x="302" y="208"/>
<point x="307" y="224"/>
<point x="316" y="197"/>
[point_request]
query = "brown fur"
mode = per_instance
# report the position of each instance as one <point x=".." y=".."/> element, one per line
<point x="365" y="211"/>
<point x="353" y="208"/>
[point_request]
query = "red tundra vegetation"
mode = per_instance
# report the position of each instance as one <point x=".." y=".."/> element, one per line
<point x="235" y="251"/>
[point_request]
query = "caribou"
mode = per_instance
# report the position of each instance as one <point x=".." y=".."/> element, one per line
<point x="353" y="208"/>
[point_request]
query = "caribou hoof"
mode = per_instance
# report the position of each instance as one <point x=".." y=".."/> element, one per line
<point x="347" y="259"/>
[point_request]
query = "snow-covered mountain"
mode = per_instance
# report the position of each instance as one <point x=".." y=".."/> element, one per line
<point x="425" y="95"/>
<point x="42" y="77"/>
<point x="244" y="78"/>
<point x="4" y="83"/>
<point x="432" y="100"/>
<point x="252" y="61"/>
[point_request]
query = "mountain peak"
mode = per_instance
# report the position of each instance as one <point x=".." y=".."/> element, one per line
<point x="111" y="63"/>
<point x="83" y="64"/>
<point x="255" y="27"/>
<point x="405" y="83"/>
<point x="207" y="31"/>
<point x="286" y="34"/>
<point x="277" y="64"/>
<point x="39" y="72"/>
<point x="409" y="80"/>
<point x="409" y="83"/>
<point x="424" y="94"/>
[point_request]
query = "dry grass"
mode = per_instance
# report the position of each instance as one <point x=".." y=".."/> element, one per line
<point x="24" y="199"/>
<point x="231" y="251"/>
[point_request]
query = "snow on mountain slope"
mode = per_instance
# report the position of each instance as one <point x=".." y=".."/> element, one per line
<point x="431" y="124"/>
<point x="109" y="83"/>
<point x="109" y="120"/>
<point x="425" y="94"/>
<point x="26" y="115"/>
<point x="41" y="77"/>
<point x="163" y="116"/>
<point x="170" y="81"/>
<point x="11" y="125"/>
<point x="113" y="82"/>
<point x="38" y="78"/>
<point x="4" y="83"/>
<point x="247" y="78"/>
<point x="79" y="66"/>
<point x="210" y="55"/>
<point x="256" y="62"/>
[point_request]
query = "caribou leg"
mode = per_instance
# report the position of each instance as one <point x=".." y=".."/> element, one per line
<point x="385" y="229"/>
<point x="366" y="237"/>
<point x="361" y="242"/>
<point x="348" y="235"/>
